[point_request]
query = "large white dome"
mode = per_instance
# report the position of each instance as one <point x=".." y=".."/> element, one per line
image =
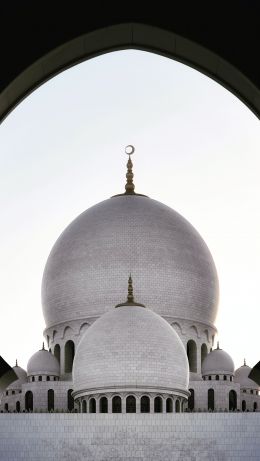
<point x="130" y="347"/>
<point x="85" y="273"/>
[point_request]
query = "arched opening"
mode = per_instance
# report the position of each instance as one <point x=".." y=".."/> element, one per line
<point x="130" y="404"/>
<point x="92" y="405"/>
<point x="57" y="352"/>
<point x="103" y="405"/>
<point x="116" y="404"/>
<point x="225" y="377"/>
<point x="50" y="400"/>
<point x="18" y="407"/>
<point x="232" y="400"/>
<point x="48" y="378"/>
<point x="217" y="377"/>
<point x="243" y="405"/>
<point x="192" y="355"/>
<point x="169" y="405"/>
<point x="211" y="400"/>
<point x="255" y="406"/>
<point x="69" y="356"/>
<point x="204" y="352"/>
<point x="191" y="400"/>
<point x="158" y="405"/>
<point x="33" y="379"/>
<point x="40" y="378"/>
<point x="29" y="401"/>
<point x="177" y="406"/>
<point x="84" y="406"/>
<point x="6" y="406"/>
<point x="70" y="400"/>
<point x="145" y="404"/>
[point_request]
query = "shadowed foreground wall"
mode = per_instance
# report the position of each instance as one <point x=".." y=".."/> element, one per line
<point x="78" y="437"/>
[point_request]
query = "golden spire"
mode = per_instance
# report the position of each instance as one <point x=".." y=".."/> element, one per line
<point x="129" y="187"/>
<point x="244" y="362"/>
<point x="16" y="364"/>
<point x="130" y="296"/>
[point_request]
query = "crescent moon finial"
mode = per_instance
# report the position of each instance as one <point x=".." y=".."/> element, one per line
<point x="129" y="187"/>
<point x="129" y="150"/>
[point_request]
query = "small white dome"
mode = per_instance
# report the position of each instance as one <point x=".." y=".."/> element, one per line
<point x="241" y="377"/>
<point x="218" y="362"/>
<point x="22" y="378"/>
<point x="130" y="347"/>
<point x="43" y="363"/>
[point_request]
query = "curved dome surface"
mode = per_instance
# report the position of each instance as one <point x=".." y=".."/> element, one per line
<point x="217" y="361"/>
<point x="130" y="347"/>
<point x="43" y="363"/>
<point x="22" y="378"/>
<point x="241" y="377"/>
<point x="173" y="269"/>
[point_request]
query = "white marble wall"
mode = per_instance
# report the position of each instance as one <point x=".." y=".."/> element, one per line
<point x="117" y="437"/>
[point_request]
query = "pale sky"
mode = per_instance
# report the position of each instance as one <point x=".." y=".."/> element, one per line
<point x="197" y="150"/>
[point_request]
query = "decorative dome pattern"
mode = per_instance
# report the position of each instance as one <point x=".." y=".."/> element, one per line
<point x="217" y="362"/>
<point x="43" y="363"/>
<point x="132" y="347"/>
<point x="241" y="377"/>
<point x="174" y="271"/>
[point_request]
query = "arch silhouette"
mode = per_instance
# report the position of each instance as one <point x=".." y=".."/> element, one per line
<point x="130" y="35"/>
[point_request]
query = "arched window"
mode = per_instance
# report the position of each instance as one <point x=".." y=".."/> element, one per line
<point x="251" y="391"/>
<point x="209" y="378"/>
<point x="230" y="378"/>
<point x="211" y="400"/>
<point x="48" y="378"/>
<point x="29" y="401"/>
<point x="191" y="400"/>
<point x="243" y="405"/>
<point x="145" y="404"/>
<point x="33" y="379"/>
<point x="57" y="352"/>
<point x="18" y="407"/>
<point x="103" y="405"/>
<point x="70" y="400"/>
<point x="192" y="355"/>
<point x="204" y="352"/>
<point x="92" y="405"/>
<point x="6" y="406"/>
<point x="217" y="377"/>
<point x="69" y="356"/>
<point x="50" y="400"/>
<point x="255" y="406"/>
<point x="232" y="400"/>
<point x="169" y="405"/>
<point x="158" y="405"/>
<point x="84" y="406"/>
<point x="116" y="404"/>
<point x="40" y="378"/>
<point x="177" y="406"/>
<point x="225" y="377"/>
<point x="130" y="404"/>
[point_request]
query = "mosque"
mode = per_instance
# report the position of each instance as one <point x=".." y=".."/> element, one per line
<point x="130" y="296"/>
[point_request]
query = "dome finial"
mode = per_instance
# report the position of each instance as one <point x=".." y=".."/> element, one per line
<point x="16" y="363"/>
<point x="43" y="347"/>
<point x="244" y="362"/>
<point x="129" y="187"/>
<point x="130" y="295"/>
<point x="218" y="345"/>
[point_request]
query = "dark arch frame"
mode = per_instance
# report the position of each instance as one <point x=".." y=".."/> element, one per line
<point x="130" y="404"/>
<point x="50" y="400"/>
<point x="232" y="397"/>
<point x="129" y="35"/>
<point x="192" y="355"/>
